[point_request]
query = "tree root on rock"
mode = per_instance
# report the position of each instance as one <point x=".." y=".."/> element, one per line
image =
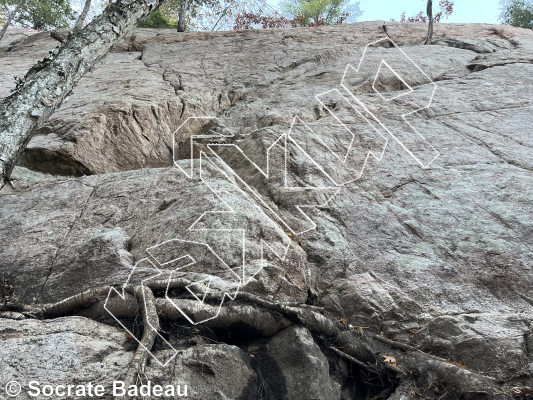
<point x="146" y="302"/>
<point x="68" y="305"/>
<point x="12" y="315"/>
<point x="352" y="359"/>
<point x="417" y="373"/>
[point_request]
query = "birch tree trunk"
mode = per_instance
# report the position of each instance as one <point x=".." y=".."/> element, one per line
<point x="83" y="15"/>
<point x="429" y="12"/>
<point x="48" y="82"/>
<point x="10" y="18"/>
<point x="182" y="17"/>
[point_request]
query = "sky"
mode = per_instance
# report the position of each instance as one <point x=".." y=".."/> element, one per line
<point x="465" y="11"/>
<point x="485" y="11"/>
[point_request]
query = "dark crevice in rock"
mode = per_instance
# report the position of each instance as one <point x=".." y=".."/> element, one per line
<point x="272" y="383"/>
<point x="389" y="192"/>
<point x="527" y="337"/>
<point x="411" y="229"/>
<point x="476" y="67"/>
<point x="165" y="204"/>
<point x="269" y="383"/>
<point x="52" y="162"/>
<point x="173" y="79"/>
<point x="479" y="46"/>
<point x="183" y="105"/>
<point x="48" y="274"/>
<point x="355" y="382"/>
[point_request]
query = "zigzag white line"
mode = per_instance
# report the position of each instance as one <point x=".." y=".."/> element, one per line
<point x="401" y="94"/>
<point x="285" y="137"/>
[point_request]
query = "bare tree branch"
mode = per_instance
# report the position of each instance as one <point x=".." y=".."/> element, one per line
<point x="83" y="15"/>
<point x="10" y="18"/>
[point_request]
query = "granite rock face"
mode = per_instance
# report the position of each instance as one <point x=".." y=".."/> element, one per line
<point x="427" y="241"/>
<point x="62" y="351"/>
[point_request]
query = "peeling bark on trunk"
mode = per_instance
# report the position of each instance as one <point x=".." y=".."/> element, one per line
<point x="48" y="82"/>
<point x="83" y="15"/>
<point x="10" y="18"/>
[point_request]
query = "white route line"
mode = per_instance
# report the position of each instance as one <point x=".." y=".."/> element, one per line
<point x="376" y="156"/>
<point x="400" y="95"/>
<point x="122" y="295"/>
<point x="370" y="153"/>
<point x="242" y="280"/>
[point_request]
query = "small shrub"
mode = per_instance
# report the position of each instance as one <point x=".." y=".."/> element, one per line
<point x="156" y="20"/>
<point x="517" y="13"/>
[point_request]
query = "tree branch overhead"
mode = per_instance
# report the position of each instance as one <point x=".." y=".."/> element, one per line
<point x="47" y="83"/>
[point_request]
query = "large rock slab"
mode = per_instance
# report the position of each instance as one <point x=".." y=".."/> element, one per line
<point x="64" y="351"/>
<point x="144" y="90"/>
<point x="210" y="372"/>
<point x="91" y="231"/>
<point x="78" y="351"/>
<point x="438" y="256"/>
<point x="19" y="50"/>
<point x="295" y="362"/>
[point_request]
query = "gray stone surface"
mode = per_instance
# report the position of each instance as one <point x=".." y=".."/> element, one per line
<point x="211" y="372"/>
<point x="76" y="350"/>
<point x="92" y="234"/>
<point x="440" y="256"/>
<point x="304" y="369"/>
<point x="64" y="351"/>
